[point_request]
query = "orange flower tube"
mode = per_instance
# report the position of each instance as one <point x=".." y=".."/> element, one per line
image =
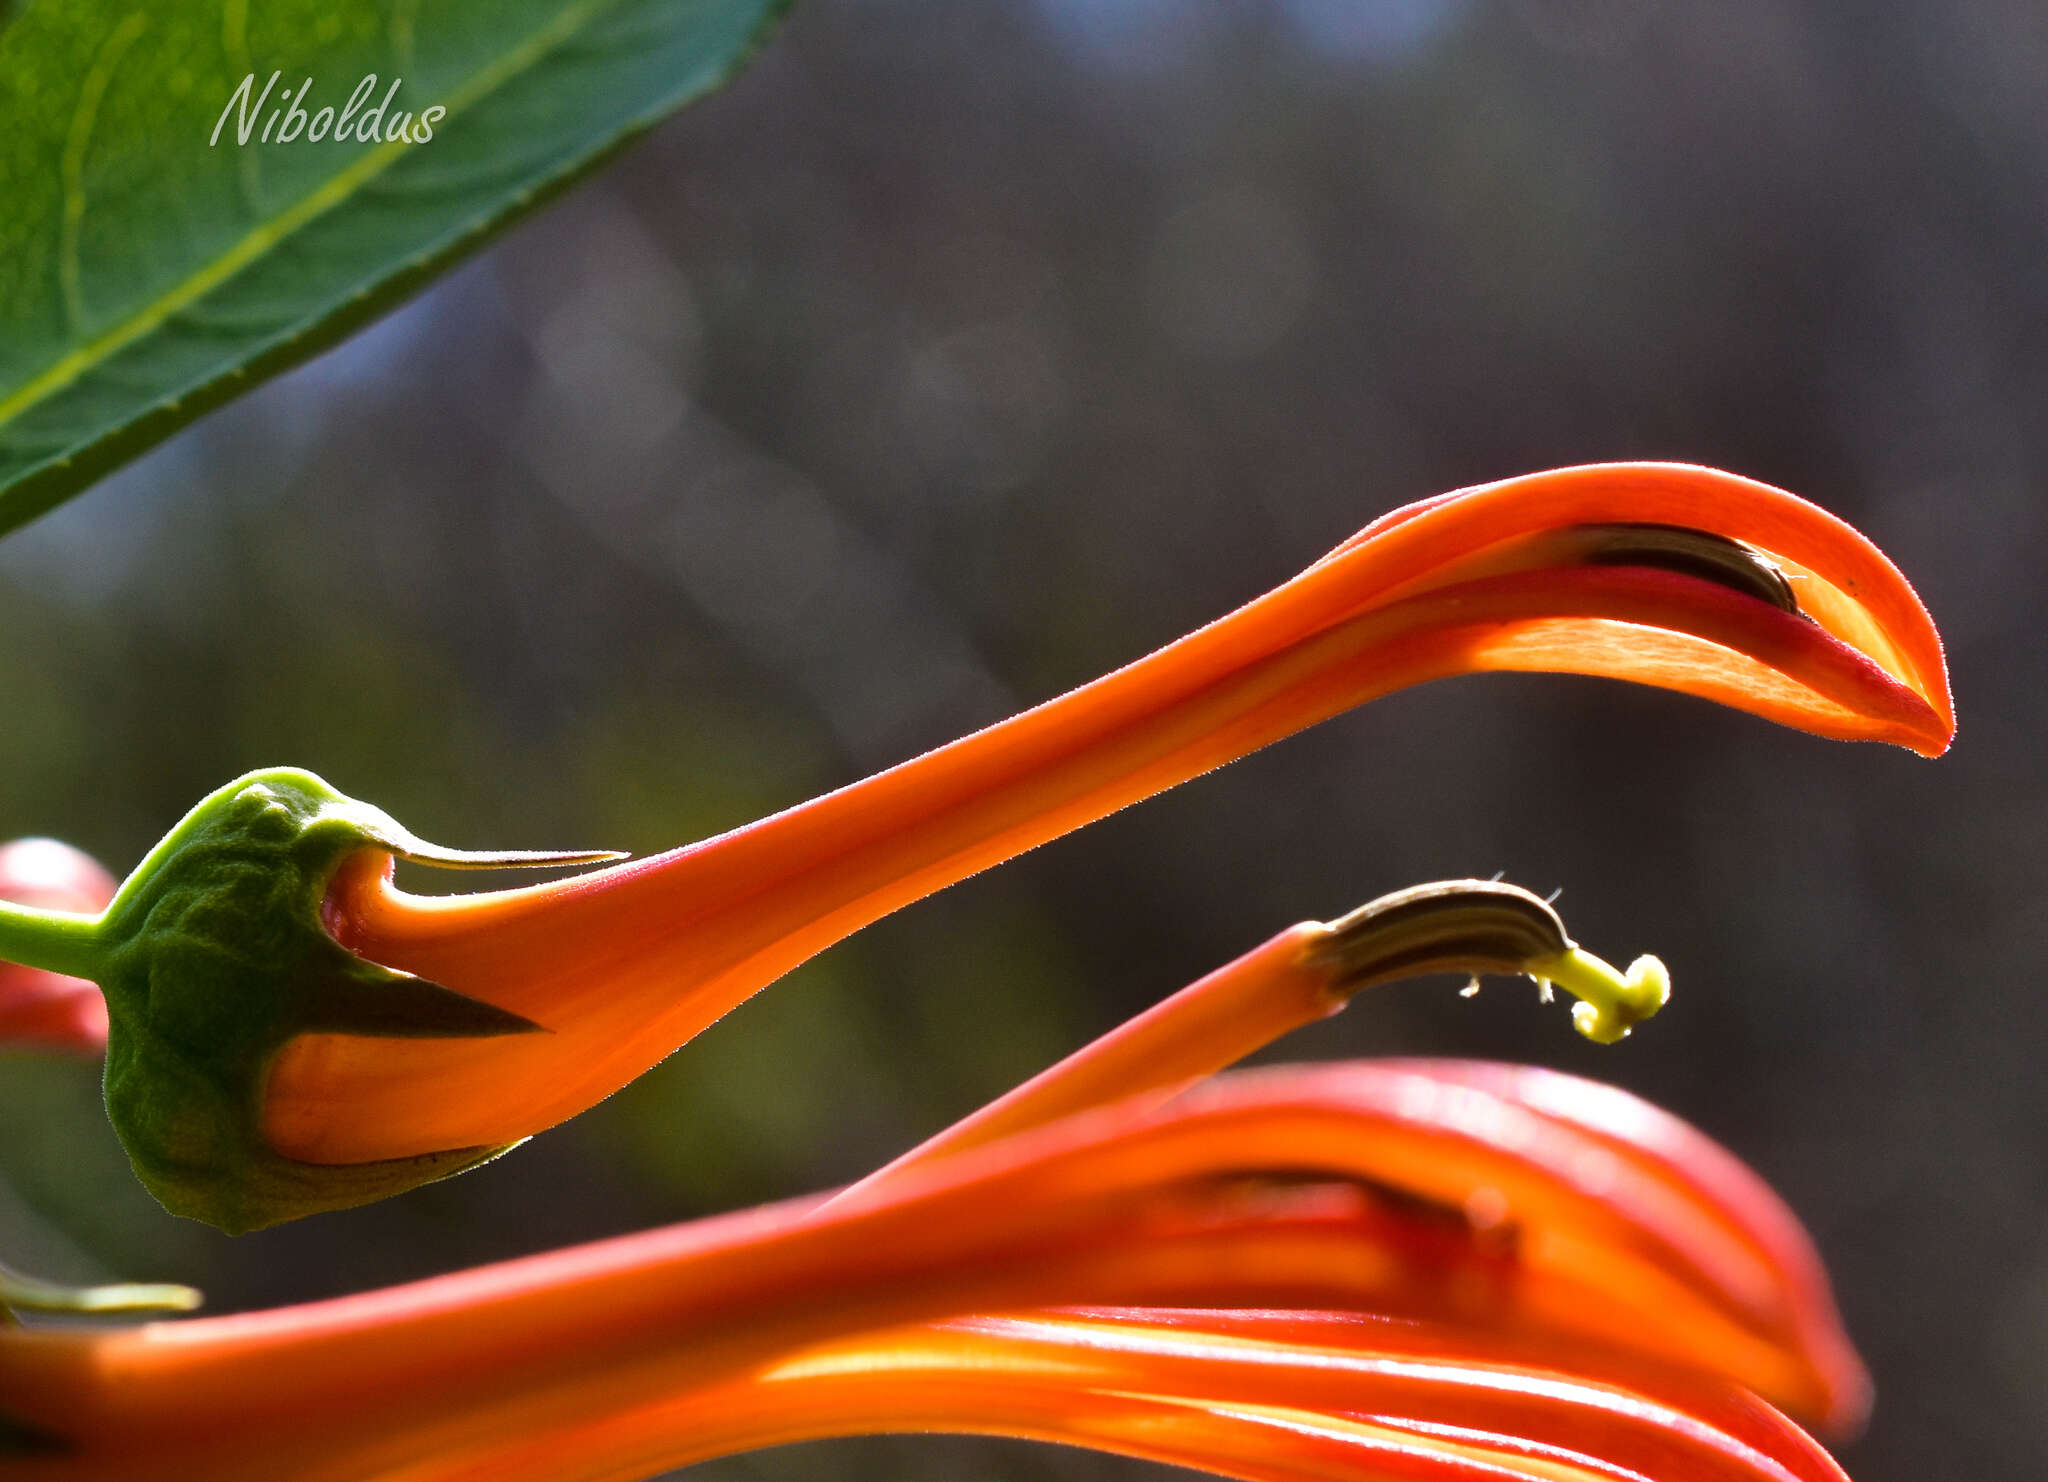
<point x="290" y="1032"/>
<point x="1552" y="1324"/>
<point x="624" y="964"/>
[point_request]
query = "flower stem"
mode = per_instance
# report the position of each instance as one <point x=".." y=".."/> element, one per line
<point x="55" y="941"/>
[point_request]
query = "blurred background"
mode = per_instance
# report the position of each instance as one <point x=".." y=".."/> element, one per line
<point x="959" y="353"/>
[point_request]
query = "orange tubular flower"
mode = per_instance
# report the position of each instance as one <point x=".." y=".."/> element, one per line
<point x="1675" y="576"/>
<point x="1446" y="1272"/>
<point x="1483" y="1273"/>
<point x="291" y="1033"/>
<point x="46" y="1009"/>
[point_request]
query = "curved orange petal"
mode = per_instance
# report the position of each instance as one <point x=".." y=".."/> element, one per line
<point x="624" y="964"/>
<point x="1844" y="581"/>
<point x="1335" y="1188"/>
<point x="376" y="1385"/>
<point x="1611" y="1242"/>
<point x="1422" y="1383"/>
<point x="1718" y="1190"/>
<point x="1266" y="1396"/>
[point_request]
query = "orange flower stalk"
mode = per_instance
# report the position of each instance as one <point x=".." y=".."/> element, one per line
<point x="46" y="1009"/>
<point x="257" y="1071"/>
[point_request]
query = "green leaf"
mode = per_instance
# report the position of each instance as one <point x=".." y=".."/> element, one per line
<point x="147" y="275"/>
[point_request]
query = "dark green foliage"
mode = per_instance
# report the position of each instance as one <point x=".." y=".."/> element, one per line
<point x="148" y="274"/>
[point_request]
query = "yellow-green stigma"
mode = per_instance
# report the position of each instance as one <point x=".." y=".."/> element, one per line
<point x="1610" y="1002"/>
<point x="1488" y="926"/>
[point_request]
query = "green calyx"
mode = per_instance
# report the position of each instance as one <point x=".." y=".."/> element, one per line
<point x="212" y="956"/>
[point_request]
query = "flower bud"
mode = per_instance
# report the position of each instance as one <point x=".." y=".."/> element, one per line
<point x="213" y="955"/>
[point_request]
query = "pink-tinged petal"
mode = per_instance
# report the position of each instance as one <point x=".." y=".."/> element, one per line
<point x="1631" y="1228"/>
<point x="44" y="1009"/>
<point x="1273" y="1335"/>
<point x="1718" y="1190"/>
<point x="1329" y="1188"/>
<point x="1258" y="1396"/>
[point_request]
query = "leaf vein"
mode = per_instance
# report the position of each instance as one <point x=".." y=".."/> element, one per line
<point x="269" y="235"/>
<point x="77" y="139"/>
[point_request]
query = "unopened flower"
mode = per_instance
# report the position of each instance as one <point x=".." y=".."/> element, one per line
<point x="1437" y="1271"/>
<point x="291" y="1033"/>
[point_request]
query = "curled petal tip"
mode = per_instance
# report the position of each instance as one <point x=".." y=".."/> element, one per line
<point x="1869" y="667"/>
<point x="1840" y="582"/>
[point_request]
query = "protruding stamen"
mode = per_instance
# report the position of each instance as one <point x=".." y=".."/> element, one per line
<point x="1481" y="926"/>
<point x="1306" y="973"/>
<point x="1469" y="926"/>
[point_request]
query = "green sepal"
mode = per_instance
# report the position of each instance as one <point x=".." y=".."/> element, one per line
<point x="215" y="957"/>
